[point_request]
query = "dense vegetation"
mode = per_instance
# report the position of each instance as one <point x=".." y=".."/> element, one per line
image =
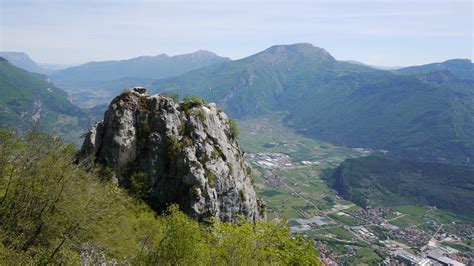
<point x="342" y="103"/>
<point x="26" y="98"/>
<point x="382" y="180"/>
<point x="55" y="211"/>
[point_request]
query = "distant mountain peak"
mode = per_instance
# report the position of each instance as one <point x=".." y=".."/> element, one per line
<point x="205" y="52"/>
<point x="98" y="74"/>
<point x="303" y="49"/>
<point x="22" y="60"/>
<point x="294" y="45"/>
<point x="162" y="55"/>
<point x="202" y="54"/>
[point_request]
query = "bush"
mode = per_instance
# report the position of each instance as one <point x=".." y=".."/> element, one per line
<point x="231" y="168"/>
<point x="217" y="153"/>
<point x="183" y="242"/>
<point x="204" y="159"/>
<point x="172" y="148"/>
<point x="197" y="101"/>
<point x="200" y="115"/>
<point x="105" y="173"/>
<point x="242" y="194"/>
<point x="211" y="178"/>
<point x="248" y="170"/>
<point x="234" y="130"/>
<point x="139" y="185"/>
<point x="189" y="103"/>
<point x="184" y="129"/>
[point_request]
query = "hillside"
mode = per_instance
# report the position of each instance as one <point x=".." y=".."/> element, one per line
<point x="380" y="180"/>
<point x="264" y="82"/>
<point x="27" y="98"/>
<point x="340" y="102"/>
<point x="461" y="68"/>
<point x="22" y="60"/>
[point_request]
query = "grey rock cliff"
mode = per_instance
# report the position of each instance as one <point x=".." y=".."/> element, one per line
<point x="185" y="153"/>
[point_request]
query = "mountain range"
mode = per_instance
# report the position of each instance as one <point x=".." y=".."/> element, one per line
<point x="422" y="112"/>
<point x="98" y="82"/>
<point x="143" y="67"/>
<point x="428" y="116"/>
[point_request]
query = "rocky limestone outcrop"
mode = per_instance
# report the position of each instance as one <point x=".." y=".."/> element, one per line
<point x="182" y="153"/>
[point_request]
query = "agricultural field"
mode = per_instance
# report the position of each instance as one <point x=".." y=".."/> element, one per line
<point x="299" y="191"/>
<point x="289" y="173"/>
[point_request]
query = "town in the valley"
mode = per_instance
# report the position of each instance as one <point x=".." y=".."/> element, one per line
<point x="342" y="231"/>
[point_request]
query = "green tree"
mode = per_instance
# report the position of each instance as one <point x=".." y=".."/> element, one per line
<point x="183" y="242"/>
<point x="54" y="211"/>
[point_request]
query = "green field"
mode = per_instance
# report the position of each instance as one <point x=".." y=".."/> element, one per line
<point x="412" y="210"/>
<point x="351" y="221"/>
<point x="302" y="193"/>
<point x="270" y="135"/>
<point x="407" y="220"/>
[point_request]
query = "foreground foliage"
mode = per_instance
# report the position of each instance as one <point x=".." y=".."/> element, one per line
<point x="55" y="211"/>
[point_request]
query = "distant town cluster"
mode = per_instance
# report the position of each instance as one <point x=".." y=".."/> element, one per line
<point x="270" y="160"/>
<point x="408" y="245"/>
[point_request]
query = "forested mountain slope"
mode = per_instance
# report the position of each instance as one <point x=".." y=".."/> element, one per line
<point x="27" y="98"/>
<point x="352" y="105"/>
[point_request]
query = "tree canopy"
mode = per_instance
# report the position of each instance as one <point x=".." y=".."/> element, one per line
<point x="53" y="210"/>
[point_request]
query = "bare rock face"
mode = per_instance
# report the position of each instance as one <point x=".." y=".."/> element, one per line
<point x="175" y="153"/>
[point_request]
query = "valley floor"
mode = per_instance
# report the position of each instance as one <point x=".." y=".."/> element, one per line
<point x="289" y="173"/>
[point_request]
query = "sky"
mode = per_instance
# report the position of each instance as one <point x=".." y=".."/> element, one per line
<point x="378" y="32"/>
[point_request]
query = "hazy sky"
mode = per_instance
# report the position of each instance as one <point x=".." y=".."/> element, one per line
<point x="379" y="32"/>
